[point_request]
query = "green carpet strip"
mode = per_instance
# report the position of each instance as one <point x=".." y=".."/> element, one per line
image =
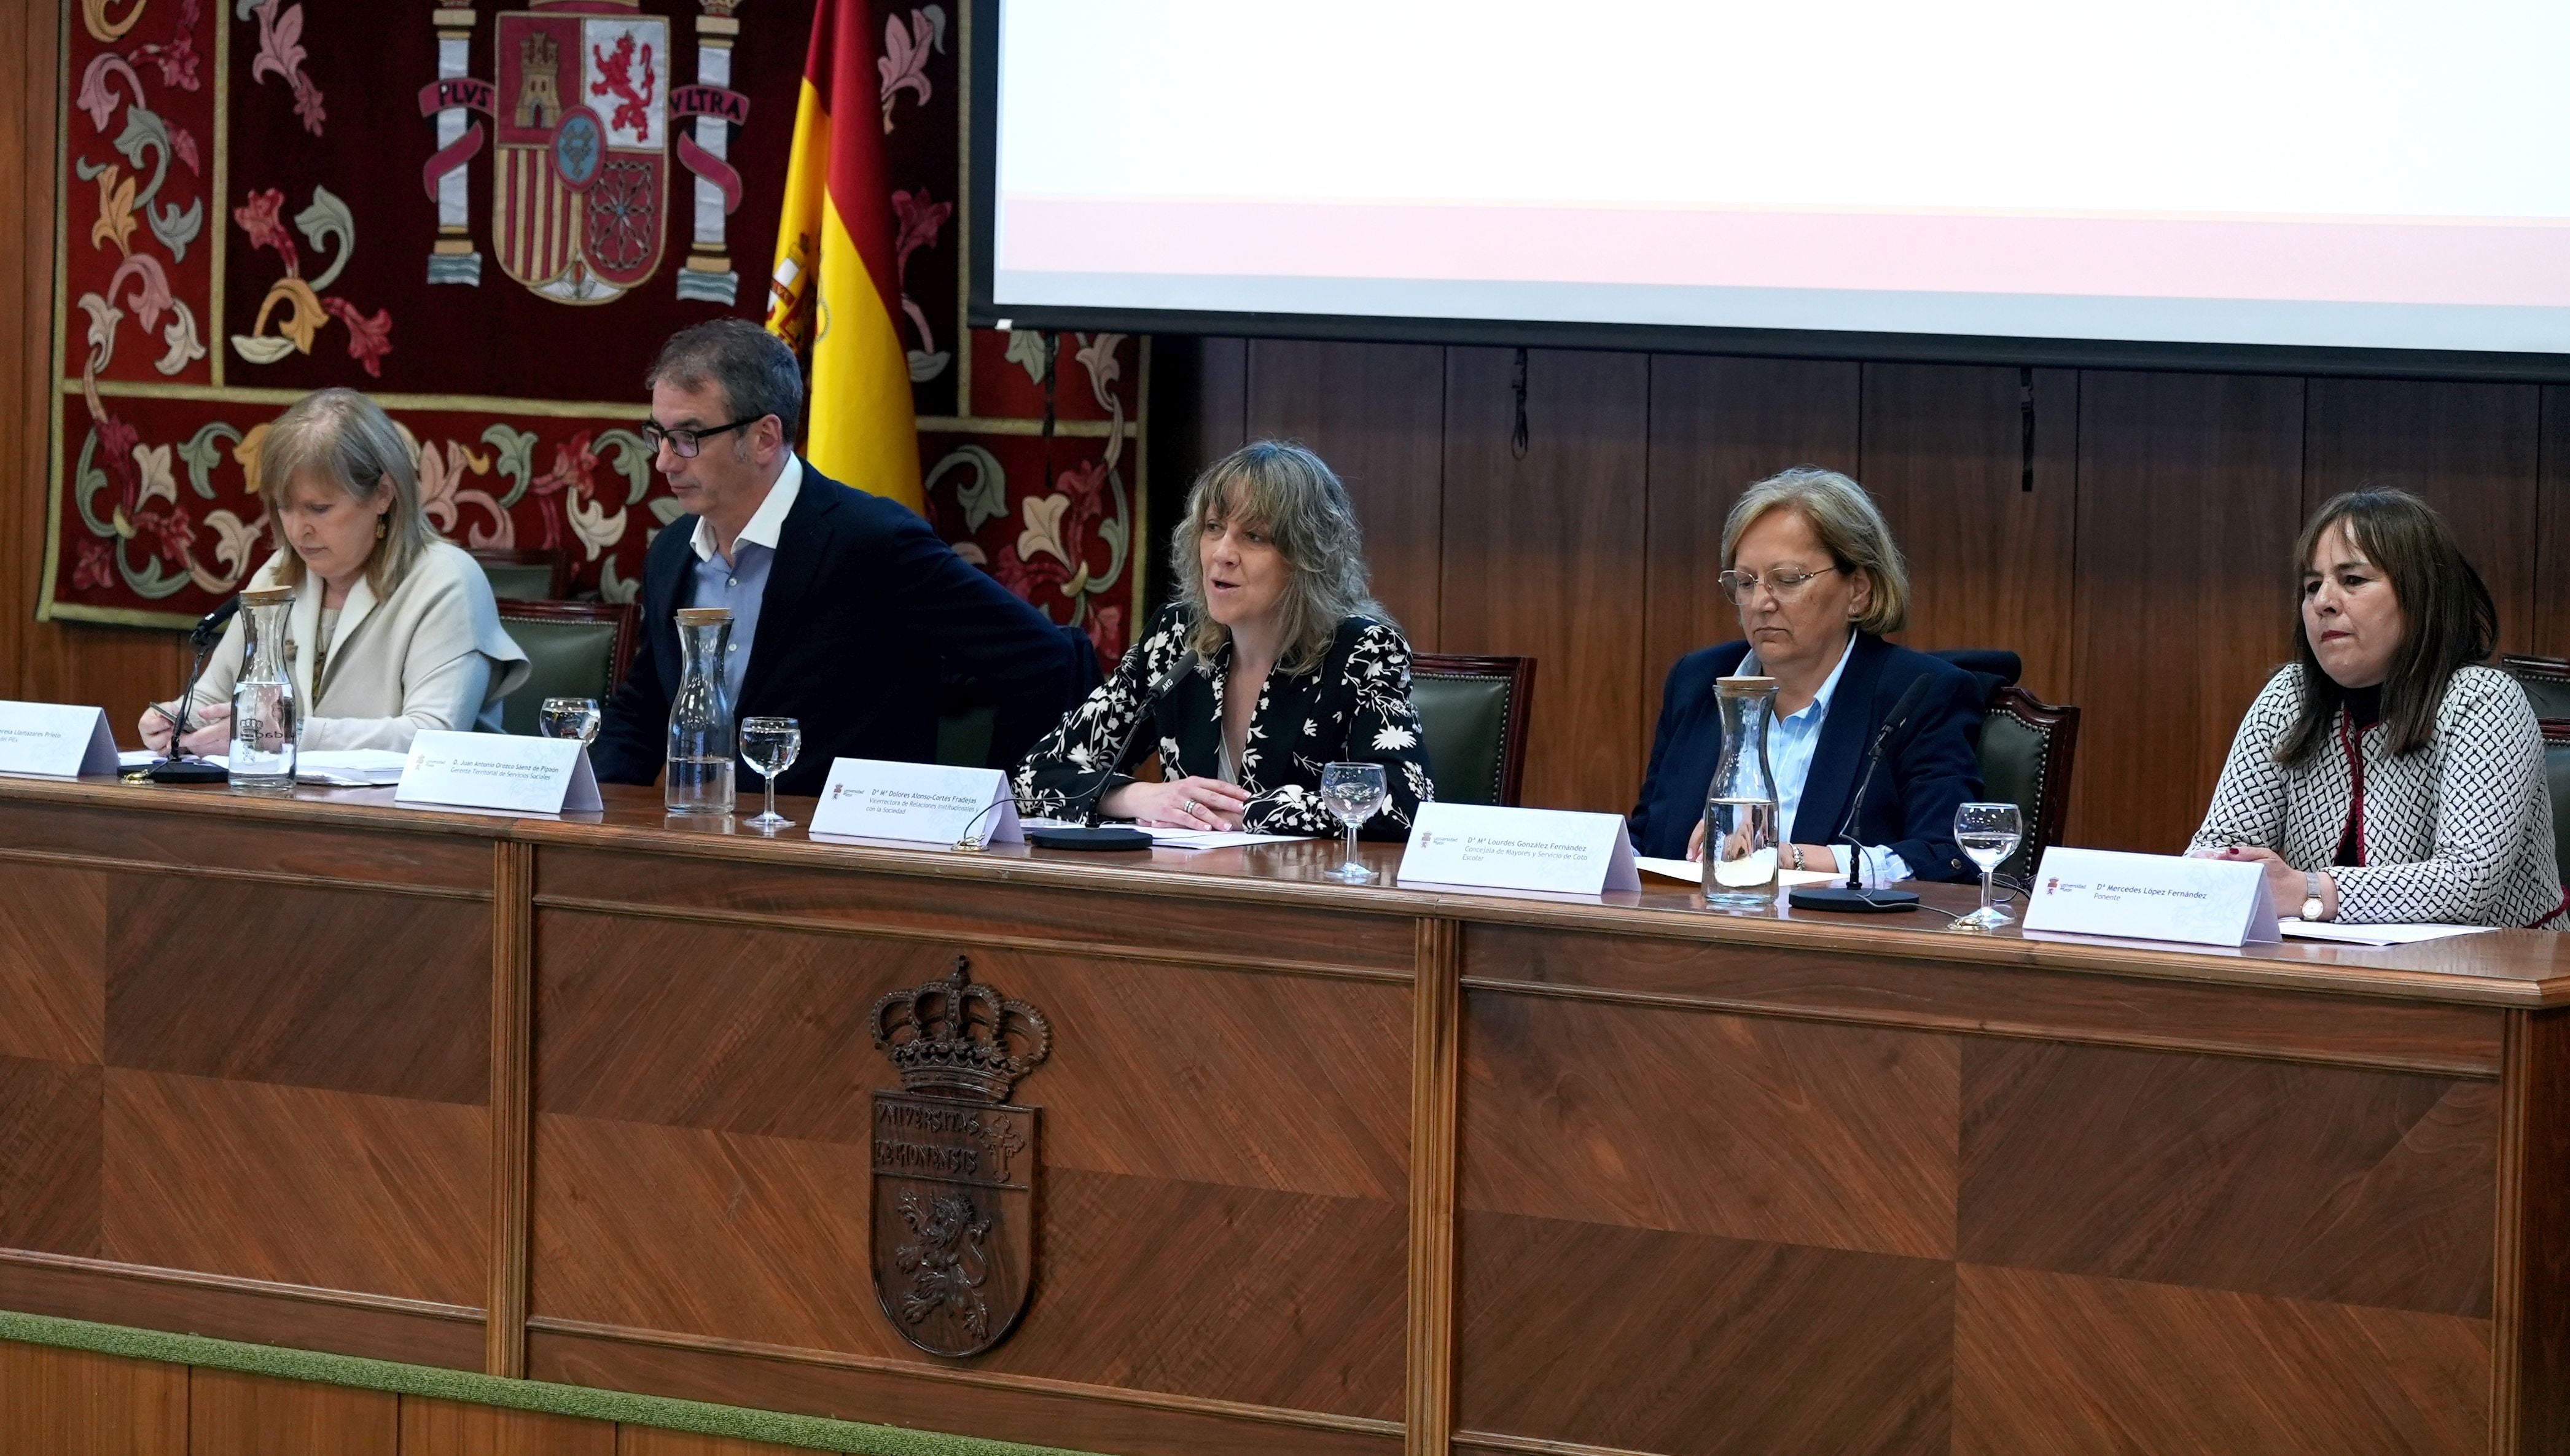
<point x="814" y="1433"/>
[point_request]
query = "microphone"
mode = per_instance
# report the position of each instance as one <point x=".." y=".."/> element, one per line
<point x="182" y="767"/>
<point x="1854" y="895"/>
<point x="1090" y="834"/>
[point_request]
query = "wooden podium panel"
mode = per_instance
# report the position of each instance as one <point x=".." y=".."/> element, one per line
<point x="1322" y="1169"/>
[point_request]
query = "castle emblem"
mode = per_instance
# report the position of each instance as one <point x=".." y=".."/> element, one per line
<point x="586" y="118"/>
<point x="955" y="1164"/>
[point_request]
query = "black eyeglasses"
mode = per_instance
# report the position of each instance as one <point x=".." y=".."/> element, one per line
<point x="685" y="443"/>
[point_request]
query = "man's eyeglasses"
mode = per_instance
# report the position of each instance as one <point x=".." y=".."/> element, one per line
<point x="1784" y="581"/>
<point x="685" y="443"/>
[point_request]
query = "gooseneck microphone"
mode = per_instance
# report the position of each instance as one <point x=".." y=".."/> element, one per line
<point x="1089" y="834"/>
<point x="1854" y="895"/>
<point x="182" y="767"/>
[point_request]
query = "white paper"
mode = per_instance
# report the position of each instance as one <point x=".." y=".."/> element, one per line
<point x="1519" y="849"/>
<point x="1692" y="872"/>
<point x="1214" y="839"/>
<point x="882" y="799"/>
<point x="350" y="768"/>
<point x="2302" y="930"/>
<point x="2151" y="897"/>
<point x="57" y="740"/>
<point x="498" y="771"/>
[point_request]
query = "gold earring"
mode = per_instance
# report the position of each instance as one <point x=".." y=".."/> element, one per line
<point x="383" y="530"/>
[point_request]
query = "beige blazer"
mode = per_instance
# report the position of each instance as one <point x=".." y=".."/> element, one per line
<point x="431" y="655"/>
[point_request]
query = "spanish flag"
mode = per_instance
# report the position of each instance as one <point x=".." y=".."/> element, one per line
<point x="834" y="284"/>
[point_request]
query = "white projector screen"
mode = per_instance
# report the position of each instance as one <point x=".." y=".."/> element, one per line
<point x="2310" y="174"/>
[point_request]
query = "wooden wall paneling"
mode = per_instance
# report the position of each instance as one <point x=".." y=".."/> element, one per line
<point x="51" y="1121"/>
<point x="57" y="1402"/>
<point x="1716" y="426"/>
<point x="2189" y="499"/>
<point x="2530" y="1389"/>
<point x="231" y="1414"/>
<point x="28" y="85"/>
<point x="1375" y="412"/>
<point x="652" y="1441"/>
<point x="1437" y="1004"/>
<point x="453" y="1428"/>
<point x="1539" y="553"/>
<point x="512" y="1023"/>
<point x="2470" y="449"/>
<point x="1992" y="564"/>
<point x="2551" y="612"/>
<point x="1198" y="414"/>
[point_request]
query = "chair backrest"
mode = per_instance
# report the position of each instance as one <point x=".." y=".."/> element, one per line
<point x="2547" y="681"/>
<point x="574" y="649"/>
<point x="1474" y="711"/>
<point x="2556" y="774"/>
<point x="2027" y="746"/>
<point x="964" y="738"/>
<point x="526" y="575"/>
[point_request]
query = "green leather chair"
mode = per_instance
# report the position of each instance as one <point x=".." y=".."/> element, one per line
<point x="2026" y="747"/>
<point x="2556" y="773"/>
<point x="574" y="649"/>
<point x="535" y="575"/>
<point x="1475" y="712"/>
<point x="2547" y="681"/>
<point x="964" y="739"/>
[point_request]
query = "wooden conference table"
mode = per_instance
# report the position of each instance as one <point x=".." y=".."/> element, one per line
<point x="1323" y="1169"/>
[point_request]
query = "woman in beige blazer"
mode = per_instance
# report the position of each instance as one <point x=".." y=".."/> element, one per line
<point x="393" y="629"/>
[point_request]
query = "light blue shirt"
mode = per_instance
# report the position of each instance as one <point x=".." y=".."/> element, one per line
<point x="742" y="582"/>
<point x="1792" y="741"/>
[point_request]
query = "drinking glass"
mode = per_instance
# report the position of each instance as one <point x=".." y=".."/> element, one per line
<point x="769" y="746"/>
<point x="569" y="718"/>
<point x="1354" y="793"/>
<point x="1988" y="833"/>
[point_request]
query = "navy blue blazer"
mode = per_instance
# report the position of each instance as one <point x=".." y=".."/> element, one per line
<point x="865" y="607"/>
<point x="1931" y="768"/>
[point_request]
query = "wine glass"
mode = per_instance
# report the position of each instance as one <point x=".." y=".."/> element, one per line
<point x="769" y="746"/>
<point x="1988" y="833"/>
<point x="1354" y="793"/>
<point x="569" y="718"/>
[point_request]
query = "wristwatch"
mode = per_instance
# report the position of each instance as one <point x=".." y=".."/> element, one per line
<point x="2312" y="906"/>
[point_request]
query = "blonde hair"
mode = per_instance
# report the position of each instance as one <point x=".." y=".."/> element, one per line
<point x="1304" y="509"/>
<point x="351" y="442"/>
<point x="1851" y="530"/>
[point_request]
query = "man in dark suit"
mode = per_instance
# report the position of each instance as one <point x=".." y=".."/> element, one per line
<point x="847" y="609"/>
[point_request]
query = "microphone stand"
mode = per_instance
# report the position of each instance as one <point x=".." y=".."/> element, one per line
<point x="1854" y="896"/>
<point x="1089" y="834"/>
<point x="182" y="767"/>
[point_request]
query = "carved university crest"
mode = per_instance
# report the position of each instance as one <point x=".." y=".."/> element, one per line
<point x="955" y="1165"/>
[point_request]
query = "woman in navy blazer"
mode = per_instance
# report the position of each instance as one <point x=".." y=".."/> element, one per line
<point x="1812" y="569"/>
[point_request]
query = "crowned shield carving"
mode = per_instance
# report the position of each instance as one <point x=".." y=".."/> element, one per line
<point x="581" y="181"/>
<point x="955" y="1162"/>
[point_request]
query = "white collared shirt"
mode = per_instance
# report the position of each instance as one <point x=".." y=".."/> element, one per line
<point x="1793" y="741"/>
<point x="742" y="582"/>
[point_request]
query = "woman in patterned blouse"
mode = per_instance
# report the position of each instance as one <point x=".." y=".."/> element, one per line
<point x="1286" y="664"/>
<point x="2386" y="776"/>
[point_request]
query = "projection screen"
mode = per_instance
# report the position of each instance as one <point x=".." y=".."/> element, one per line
<point x="2298" y="175"/>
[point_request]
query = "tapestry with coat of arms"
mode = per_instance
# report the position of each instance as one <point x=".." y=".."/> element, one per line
<point x="488" y="217"/>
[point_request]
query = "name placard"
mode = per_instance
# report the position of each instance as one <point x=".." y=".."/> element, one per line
<point x="498" y="771"/>
<point x="880" y="798"/>
<point x="2151" y="897"/>
<point x="1519" y="849"/>
<point x="55" y="740"/>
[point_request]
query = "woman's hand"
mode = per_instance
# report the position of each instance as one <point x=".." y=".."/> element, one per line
<point x="155" y="728"/>
<point x="1179" y="804"/>
<point x="209" y="729"/>
<point x="2283" y="882"/>
<point x="1815" y="857"/>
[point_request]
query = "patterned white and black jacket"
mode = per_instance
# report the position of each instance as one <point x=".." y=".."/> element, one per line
<point x="2459" y="832"/>
<point x="1354" y="707"/>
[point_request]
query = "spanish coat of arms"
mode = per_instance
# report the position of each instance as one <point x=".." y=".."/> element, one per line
<point x="955" y="1165"/>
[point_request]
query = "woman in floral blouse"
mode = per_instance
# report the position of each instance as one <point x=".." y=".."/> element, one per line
<point x="1285" y="664"/>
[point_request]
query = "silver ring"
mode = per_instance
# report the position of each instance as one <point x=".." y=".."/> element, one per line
<point x="1195" y="809"/>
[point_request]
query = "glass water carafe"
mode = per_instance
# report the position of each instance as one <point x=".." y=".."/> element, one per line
<point x="1740" y="828"/>
<point x="265" y="716"/>
<point x="702" y="744"/>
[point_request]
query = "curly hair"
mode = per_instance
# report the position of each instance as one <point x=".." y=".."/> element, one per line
<point x="1304" y="509"/>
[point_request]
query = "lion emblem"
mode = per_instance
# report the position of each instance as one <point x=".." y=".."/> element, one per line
<point x="945" y="1262"/>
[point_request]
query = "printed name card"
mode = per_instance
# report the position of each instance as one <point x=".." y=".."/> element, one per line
<point x="1490" y="847"/>
<point x="2151" y="897"/>
<point x="55" y="740"/>
<point x="878" y="799"/>
<point x="498" y="771"/>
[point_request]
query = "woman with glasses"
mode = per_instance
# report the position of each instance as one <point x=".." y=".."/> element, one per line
<point x="1813" y="571"/>
<point x="394" y="630"/>
<point x="2385" y="776"/>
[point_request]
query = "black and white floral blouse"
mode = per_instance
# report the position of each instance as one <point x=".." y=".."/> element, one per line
<point x="1354" y="707"/>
